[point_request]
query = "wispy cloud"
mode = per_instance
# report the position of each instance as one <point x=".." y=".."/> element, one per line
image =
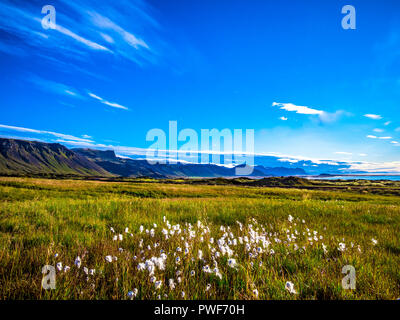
<point x="82" y="29"/>
<point x="376" y="167"/>
<point x="283" y="118"/>
<point x="111" y="104"/>
<point x="45" y="132"/>
<point x="62" y="89"/>
<point x="381" y="138"/>
<point x="106" y="37"/>
<point x="53" y="87"/>
<point x="344" y="153"/>
<point x="88" y="43"/>
<point x="25" y="26"/>
<point x="106" y="23"/>
<point x="373" y="116"/>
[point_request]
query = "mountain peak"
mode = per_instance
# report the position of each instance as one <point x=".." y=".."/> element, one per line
<point x="35" y="157"/>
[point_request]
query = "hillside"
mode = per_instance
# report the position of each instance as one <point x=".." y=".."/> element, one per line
<point x="136" y="168"/>
<point x="24" y="158"/>
<point x="20" y="157"/>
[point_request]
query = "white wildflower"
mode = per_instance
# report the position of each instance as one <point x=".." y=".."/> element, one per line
<point x="232" y="263"/>
<point x="158" y="284"/>
<point x="78" y="262"/>
<point x="290" y="287"/>
<point x="132" y="294"/>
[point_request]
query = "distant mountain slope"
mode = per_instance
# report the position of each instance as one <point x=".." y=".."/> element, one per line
<point x="30" y="157"/>
<point x="133" y="168"/>
<point x="20" y="157"/>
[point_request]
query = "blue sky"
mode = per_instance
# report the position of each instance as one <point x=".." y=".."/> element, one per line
<point x="112" y="71"/>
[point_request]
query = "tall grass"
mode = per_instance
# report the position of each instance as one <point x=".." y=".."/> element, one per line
<point x="40" y="218"/>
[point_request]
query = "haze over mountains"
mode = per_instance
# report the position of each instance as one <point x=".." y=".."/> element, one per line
<point x="21" y="157"/>
<point x="128" y="167"/>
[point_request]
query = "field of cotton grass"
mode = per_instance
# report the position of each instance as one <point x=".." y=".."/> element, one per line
<point x="163" y="241"/>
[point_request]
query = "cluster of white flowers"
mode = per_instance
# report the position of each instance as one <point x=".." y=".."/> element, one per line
<point x="202" y="250"/>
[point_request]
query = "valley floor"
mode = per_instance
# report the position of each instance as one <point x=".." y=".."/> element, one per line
<point x="125" y="240"/>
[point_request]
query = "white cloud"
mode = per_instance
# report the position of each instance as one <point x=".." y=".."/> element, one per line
<point x="323" y="115"/>
<point x="54" y="87"/>
<point x="297" y="109"/>
<point x="103" y="22"/>
<point x="375" y="137"/>
<point x="94" y="96"/>
<point x="20" y="129"/>
<point x="283" y="118"/>
<point x="394" y="142"/>
<point x="115" y="105"/>
<point x="55" y="134"/>
<point x="111" y="104"/>
<point x="378" y="130"/>
<point x="344" y="153"/>
<point x="71" y="93"/>
<point x="106" y="37"/>
<point x="374" y="167"/>
<point x="373" y="116"/>
<point x="80" y="35"/>
<point x="387" y="123"/>
<point x="80" y="39"/>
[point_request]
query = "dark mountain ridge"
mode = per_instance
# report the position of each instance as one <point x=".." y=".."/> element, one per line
<point x="21" y="157"/>
<point x="132" y="168"/>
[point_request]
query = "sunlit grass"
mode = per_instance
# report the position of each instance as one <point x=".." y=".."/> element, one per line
<point x="40" y="218"/>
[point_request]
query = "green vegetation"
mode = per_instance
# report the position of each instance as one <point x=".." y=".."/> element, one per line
<point x="27" y="158"/>
<point x="42" y="217"/>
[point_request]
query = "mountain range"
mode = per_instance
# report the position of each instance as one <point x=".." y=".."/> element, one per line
<point x="21" y="157"/>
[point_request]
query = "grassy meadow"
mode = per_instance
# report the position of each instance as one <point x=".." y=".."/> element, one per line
<point x="146" y="240"/>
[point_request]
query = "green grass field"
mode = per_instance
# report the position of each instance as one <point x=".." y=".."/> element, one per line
<point x="250" y="246"/>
